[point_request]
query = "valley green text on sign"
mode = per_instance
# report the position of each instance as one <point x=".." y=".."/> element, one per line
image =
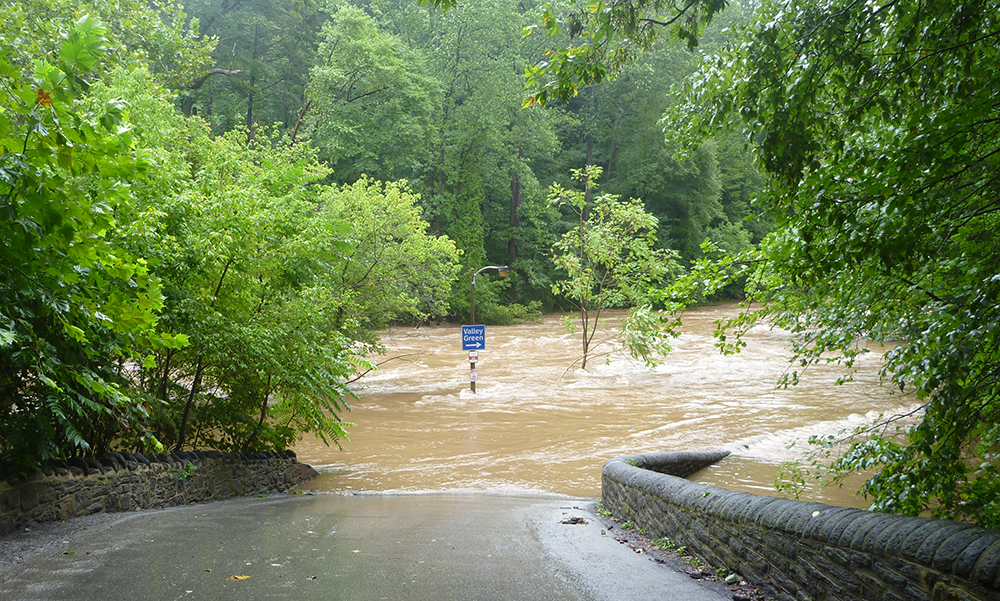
<point x="473" y="338"/>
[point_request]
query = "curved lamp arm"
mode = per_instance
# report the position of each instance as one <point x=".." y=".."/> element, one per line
<point x="503" y="269"/>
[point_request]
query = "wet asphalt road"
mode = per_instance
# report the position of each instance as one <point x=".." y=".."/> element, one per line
<point x="434" y="547"/>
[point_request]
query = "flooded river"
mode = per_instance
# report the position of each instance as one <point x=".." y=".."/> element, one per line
<point x="535" y="424"/>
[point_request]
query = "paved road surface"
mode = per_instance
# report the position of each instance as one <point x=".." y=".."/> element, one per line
<point x="433" y="547"/>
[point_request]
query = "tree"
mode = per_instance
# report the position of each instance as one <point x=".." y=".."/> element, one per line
<point x="369" y="101"/>
<point x="232" y="227"/>
<point x="611" y="261"/>
<point x="72" y="306"/>
<point x="396" y="269"/>
<point x="879" y="129"/>
<point x="602" y="38"/>
<point x="279" y="279"/>
<point x="266" y="50"/>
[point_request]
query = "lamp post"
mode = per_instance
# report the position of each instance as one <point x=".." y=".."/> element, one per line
<point x="503" y="269"/>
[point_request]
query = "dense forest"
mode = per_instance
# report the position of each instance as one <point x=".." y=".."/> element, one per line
<point x="397" y="91"/>
<point x="208" y="211"/>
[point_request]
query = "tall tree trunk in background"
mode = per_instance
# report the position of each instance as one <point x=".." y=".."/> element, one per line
<point x="253" y="82"/>
<point x="615" y="132"/>
<point x="588" y="194"/>
<point x="515" y="218"/>
<point x="439" y="186"/>
<point x="196" y="383"/>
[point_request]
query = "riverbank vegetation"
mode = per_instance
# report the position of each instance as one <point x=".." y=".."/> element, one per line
<point x="877" y="128"/>
<point x="880" y="135"/>
<point x="208" y="210"/>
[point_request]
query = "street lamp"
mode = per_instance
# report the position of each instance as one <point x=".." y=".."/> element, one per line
<point x="472" y="317"/>
<point x="472" y="296"/>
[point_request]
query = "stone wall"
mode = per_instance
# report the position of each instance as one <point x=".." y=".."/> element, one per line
<point x="804" y="550"/>
<point x="127" y="481"/>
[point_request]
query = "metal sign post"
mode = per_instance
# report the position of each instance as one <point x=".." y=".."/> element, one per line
<point x="473" y="372"/>
<point x="473" y="340"/>
<point x="477" y="334"/>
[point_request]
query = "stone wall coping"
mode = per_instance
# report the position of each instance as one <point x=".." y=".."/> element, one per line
<point x="944" y="553"/>
<point x="125" y="481"/>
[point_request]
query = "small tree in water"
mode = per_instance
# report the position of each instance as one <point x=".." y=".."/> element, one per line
<point x="611" y="261"/>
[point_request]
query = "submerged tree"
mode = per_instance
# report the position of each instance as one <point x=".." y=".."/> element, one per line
<point x="611" y="260"/>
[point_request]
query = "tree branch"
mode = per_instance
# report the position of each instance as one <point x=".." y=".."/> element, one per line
<point x="196" y="84"/>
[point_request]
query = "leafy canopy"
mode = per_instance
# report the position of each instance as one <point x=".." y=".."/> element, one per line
<point x="604" y="37"/>
<point x="879" y="129"/>
<point x="369" y="99"/>
<point x="72" y="304"/>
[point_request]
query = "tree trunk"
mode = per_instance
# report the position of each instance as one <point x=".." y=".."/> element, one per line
<point x="190" y="402"/>
<point x="615" y="132"/>
<point x="515" y="218"/>
<point x="200" y="367"/>
<point x="253" y="82"/>
<point x="263" y="416"/>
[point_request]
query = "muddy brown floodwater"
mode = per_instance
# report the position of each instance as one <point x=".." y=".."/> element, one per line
<point x="535" y="426"/>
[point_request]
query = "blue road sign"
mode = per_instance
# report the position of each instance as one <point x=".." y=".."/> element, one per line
<point x="473" y="338"/>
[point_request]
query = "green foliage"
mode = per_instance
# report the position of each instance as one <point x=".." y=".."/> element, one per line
<point x="714" y="271"/>
<point x="396" y="269"/>
<point x="483" y="141"/>
<point x="604" y="38"/>
<point x="884" y="189"/>
<point x="601" y="510"/>
<point x="279" y="292"/>
<point x="516" y="313"/>
<point x="703" y="195"/>
<point x="472" y="157"/>
<point x="611" y="261"/>
<point x="690" y="559"/>
<point x="369" y="100"/>
<point x="665" y="543"/>
<point x="186" y="471"/>
<point x="158" y="36"/>
<point x="73" y="306"/>
<point x="246" y="267"/>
